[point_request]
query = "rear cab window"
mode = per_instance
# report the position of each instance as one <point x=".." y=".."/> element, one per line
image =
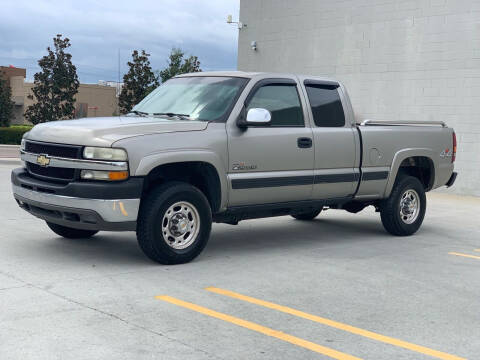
<point x="325" y="103"/>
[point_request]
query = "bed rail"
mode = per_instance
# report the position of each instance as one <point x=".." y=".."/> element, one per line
<point x="402" y="123"/>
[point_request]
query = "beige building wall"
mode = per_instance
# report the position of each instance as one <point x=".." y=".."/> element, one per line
<point x="93" y="100"/>
<point x="99" y="100"/>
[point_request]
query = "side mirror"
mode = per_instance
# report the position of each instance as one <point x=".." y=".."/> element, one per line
<point x="254" y="117"/>
<point x="258" y="116"/>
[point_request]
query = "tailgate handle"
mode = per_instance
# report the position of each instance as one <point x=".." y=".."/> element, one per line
<point x="304" y="142"/>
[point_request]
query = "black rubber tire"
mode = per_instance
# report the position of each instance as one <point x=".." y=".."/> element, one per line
<point x="70" y="233"/>
<point x="149" y="231"/>
<point x="307" y="216"/>
<point x="390" y="207"/>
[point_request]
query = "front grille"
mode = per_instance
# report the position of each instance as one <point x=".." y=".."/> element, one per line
<point x="60" y="150"/>
<point x="51" y="173"/>
<point x="51" y="149"/>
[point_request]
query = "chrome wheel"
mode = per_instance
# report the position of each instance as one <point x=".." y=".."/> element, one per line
<point x="180" y="225"/>
<point x="409" y="206"/>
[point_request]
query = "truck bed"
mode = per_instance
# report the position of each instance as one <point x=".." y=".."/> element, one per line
<point x="385" y="146"/>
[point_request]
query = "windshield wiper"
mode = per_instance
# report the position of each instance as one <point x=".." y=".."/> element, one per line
<point x="170" y="114"/>
<point x="139" y="113"/>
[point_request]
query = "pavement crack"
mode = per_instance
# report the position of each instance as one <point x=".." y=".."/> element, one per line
<point x="14" y="287"/>
<point x="111" y="315"/>
<point x="116" y="317"/>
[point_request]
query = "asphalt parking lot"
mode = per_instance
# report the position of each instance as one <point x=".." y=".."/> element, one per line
<point x="337" y="287"/>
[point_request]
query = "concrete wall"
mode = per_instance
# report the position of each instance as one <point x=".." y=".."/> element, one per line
<point x="401" y="60"/>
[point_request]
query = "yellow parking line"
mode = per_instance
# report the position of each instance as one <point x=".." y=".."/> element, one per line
<point x="261" y="329"/>
<point x="465" y="255"/>
<point x="338" y="325"/>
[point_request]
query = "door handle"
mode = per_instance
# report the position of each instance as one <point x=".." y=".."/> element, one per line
<point x="304" y="142"/>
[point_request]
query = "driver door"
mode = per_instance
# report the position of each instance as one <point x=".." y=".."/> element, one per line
<point x="272" y="163"/>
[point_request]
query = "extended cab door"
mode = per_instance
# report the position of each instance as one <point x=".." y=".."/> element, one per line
<point x="336" y="144"/>
<point x="272" y="163"/>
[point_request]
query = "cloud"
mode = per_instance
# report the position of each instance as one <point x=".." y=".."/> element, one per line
<point x="99" y="29"/>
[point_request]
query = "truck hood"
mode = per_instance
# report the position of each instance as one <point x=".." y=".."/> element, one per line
<point x="104" y="131"/>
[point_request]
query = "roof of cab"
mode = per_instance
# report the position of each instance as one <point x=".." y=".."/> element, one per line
<point x="243" y="74"/>
<point x="251" y="75"/>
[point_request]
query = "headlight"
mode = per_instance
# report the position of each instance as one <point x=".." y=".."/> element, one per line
<point x="98" y="153"/>
<point x="104" y="175"/>
<point x="22" y="145"/>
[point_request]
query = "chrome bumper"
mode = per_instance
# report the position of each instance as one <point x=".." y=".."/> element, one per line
<point x="112" y="211"/>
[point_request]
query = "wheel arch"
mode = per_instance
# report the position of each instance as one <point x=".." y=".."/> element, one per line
<point x="414" y="162"/>
<point x="201" y="169"/>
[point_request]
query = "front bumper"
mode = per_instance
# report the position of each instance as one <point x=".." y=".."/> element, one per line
<point x="81" y="205"/>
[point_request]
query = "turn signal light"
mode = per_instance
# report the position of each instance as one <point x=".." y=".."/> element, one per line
<point x="104" y="175"/>
<point x="118" y="175"/>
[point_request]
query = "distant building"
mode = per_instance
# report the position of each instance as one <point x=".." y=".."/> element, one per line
<point x="91" y="100"/>
<point x="115" y="84"/>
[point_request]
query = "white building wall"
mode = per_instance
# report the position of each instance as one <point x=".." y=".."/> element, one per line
<point x="400" y="60"/>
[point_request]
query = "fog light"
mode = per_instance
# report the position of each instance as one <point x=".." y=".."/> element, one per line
<point x="104" y="175"/>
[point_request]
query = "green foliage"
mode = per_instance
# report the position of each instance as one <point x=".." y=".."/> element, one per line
<point x="6" y="103"/>
<point x="13" y="135"/>
<point x="177" y="65"/>
<point x="55" y="86"/>
<point x="138" y="82"/>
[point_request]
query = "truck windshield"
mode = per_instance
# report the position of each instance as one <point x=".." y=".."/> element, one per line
<point x="201" y="98"/>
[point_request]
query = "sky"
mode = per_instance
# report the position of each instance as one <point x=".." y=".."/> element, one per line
<point x="99" y="29"/>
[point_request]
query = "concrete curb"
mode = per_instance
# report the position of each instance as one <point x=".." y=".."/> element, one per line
<point x="9" y="146"/>
<point x="10" y="161"/>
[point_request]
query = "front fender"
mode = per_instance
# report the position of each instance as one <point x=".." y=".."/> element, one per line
<point x="149" y="162"/>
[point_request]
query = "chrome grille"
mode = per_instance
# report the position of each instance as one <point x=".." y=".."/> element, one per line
<point x="51" y="149"/>
<point x="61" y="150"/>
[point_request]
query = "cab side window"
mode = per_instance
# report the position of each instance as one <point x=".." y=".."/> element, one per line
<point x="282" y="101"/>
<point x="326" y="106"/>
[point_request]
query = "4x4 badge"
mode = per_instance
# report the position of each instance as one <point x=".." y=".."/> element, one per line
<point x="446" y="153"/>
<point x="43" y="160"/>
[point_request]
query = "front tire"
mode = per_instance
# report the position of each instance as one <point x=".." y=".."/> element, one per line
<point x="70" y="233"/>
<point x="174" y="223"/>
<point x="403" y="212"/>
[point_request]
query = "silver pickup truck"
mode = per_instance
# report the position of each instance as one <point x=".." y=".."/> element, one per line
<point x="225" y="147"/>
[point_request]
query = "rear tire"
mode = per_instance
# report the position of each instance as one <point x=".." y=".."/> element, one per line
<point x="403" y="211"/>
<point x="70" y="233"/>
<point x="307" y="216"/>
<point x="174" y="223"/>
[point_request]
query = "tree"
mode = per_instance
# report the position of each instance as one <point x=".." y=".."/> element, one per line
<point x="177" y="64"/>
<point x="55" y="86"/>
<point x="138" y="82"/>
<point x="6" y="103"/>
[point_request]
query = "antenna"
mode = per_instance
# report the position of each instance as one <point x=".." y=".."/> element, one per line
<point x="239" y="23"/>
<point x="118" y="85"/>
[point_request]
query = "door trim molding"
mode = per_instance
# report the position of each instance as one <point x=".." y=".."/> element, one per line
<point x="265" y="182"/>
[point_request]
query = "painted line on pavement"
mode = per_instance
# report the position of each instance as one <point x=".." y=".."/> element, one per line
<point x="337" y="325"/>
<point x="260" y="329"/>
<point x="464" y="255"/>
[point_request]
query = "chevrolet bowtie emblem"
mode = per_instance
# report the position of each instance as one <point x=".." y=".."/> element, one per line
<point x="43" y="160"/>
